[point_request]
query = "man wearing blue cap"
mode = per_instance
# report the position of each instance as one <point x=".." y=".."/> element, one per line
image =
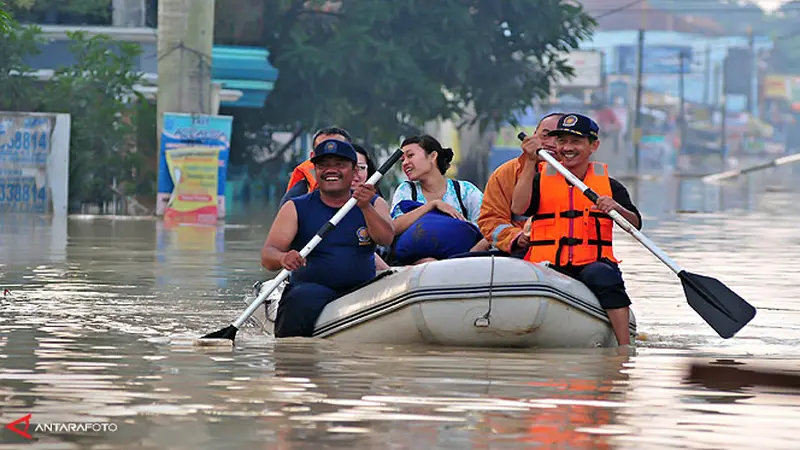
<point x="568" y="230"/>
<point x="302" y="180"/>
<point x="344" y="258"/>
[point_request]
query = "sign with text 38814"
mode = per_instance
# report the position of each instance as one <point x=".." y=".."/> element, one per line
<point x="34" y="162"/>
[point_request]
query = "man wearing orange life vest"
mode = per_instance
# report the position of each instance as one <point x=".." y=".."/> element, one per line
<point x="567" y="229"/>
<point x="499" y="225"/>
<point x="302" y="180"/>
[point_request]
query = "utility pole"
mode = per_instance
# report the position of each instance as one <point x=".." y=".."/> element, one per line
<point x="724" y="112"/>
<point x="707" y="76"/>
<point x="750" y="75"/>
<point x="185" y="40"/>
<point x="637" y="113"/>
<point x="681" y="104"/>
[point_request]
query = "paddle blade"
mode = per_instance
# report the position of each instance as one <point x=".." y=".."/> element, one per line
<point x="719" y="306"/>
<point x="228" y="332"/>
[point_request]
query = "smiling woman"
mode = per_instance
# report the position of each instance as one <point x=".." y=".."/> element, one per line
<point x="434" y="217"/>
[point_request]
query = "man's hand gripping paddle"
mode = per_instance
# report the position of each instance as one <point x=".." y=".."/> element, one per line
<point x="228" y="334"/>
<point x="719" y="306"/>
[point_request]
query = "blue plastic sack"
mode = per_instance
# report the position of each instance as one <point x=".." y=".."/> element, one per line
<point x="434" y="235"/>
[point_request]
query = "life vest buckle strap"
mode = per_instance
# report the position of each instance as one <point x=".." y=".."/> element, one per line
<point x="571" y="214"/>
<point x="542" y="242"/>
<point x="543" y="216"/>
<point x="599" y="215"/>
<point x="570" y="241"/>
<point x="600" y="242"/>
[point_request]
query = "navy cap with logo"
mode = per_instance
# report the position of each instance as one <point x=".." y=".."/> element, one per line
<point x="335" y="147"/>
<point x="577" y="124"/>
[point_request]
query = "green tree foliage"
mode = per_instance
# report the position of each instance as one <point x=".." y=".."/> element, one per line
<point x="98" y="92"/>
<point x="5" y="19"/>
<point x="383" y="68"/>
<point x="18" y="90"/>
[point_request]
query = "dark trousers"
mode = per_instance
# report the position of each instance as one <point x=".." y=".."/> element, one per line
<point x="604" y="279"/>
<point x="299" y="308"/>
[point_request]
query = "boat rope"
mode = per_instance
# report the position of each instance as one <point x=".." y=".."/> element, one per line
<point x="483" y="321"/>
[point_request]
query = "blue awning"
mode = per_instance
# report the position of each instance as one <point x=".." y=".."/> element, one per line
<point x="246" y="69"/>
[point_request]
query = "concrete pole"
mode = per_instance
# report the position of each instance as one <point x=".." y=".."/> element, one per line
<point x="637" y="111"/>
<point x="128" y="13"/>
<point x="185" y="40"/>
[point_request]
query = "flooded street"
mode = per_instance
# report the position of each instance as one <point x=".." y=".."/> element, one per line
<point x="94" y="304"/>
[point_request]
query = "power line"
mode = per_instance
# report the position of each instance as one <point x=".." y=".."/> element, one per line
<point x="710" y="48"/>
<point x="685" y="10"/>
<point x="620" y="9"/>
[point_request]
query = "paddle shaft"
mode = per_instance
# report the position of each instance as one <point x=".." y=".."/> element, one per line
<point x="735" y="173"/>
<point x="621" y="221"/>
<point x="331" y="224"/>
<point x="719" y="306"/>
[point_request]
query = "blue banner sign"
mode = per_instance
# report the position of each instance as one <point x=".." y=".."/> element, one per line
<point x="656" y="59"/>
<point x="25" y="144"/>
<point x="22" y="194"/>
<point x="192" y="130"/>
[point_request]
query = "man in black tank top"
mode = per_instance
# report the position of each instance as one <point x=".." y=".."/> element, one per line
<point x="344" y="258"/>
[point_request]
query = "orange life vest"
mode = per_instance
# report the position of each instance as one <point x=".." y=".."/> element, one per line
<point x="567" y="228"/>
<point x="304" y="171"/>
<point x="562" y="427"/>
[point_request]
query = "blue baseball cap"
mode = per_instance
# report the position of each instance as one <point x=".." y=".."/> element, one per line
<point x="335" y="147"/>
<point x="577" y="124"/>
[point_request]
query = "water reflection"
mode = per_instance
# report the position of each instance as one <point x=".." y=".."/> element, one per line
<point x="695" y="195"/>
<point x="58" y="372"/>
<point x="32" y="239"/>
<point x="298" y="394"/>
<point x="688" y="415"/>
<point x="202" y="243"/>
<point x="665" y="195"/>
<point x="85" y="336"/>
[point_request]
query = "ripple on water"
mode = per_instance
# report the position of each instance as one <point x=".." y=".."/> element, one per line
<point x="87" y="335"/>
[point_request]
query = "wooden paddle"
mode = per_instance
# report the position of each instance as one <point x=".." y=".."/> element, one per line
<point x="719" y="306"/>
<point x="229" y="332"/>
<point x="736" y="172"/>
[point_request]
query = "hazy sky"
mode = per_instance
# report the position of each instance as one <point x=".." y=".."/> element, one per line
<point x="769" y="4"/>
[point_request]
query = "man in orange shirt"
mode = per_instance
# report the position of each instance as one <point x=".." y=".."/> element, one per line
<point x="499" y="225"/>
<point x="302" y="180"/>
<point x="569" y="230"/>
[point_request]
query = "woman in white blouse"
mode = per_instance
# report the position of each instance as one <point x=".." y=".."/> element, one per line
<point x="425" y="162"/>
